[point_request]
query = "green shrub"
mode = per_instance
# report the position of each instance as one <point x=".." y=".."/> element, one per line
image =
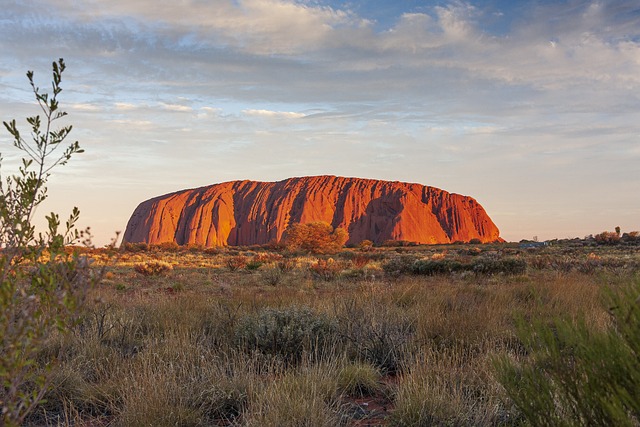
<point x="165" y="247"/>
<point x="253" y="265"/>
<point x="42" y="286"/>
<point x="508" y="265"/>
<point x="402" y="264"/>
<point x="484" y="265"/>
<point x="286" y="333"/>
<point x="135" y="247"/>
<point x="575" y="375"/>
<point x="433" y="267"/>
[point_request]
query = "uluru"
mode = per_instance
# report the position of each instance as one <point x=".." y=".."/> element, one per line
<point x="254" y="213"/>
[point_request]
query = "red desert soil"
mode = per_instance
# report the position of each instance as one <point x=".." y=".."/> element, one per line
<point x="253" y="213"/>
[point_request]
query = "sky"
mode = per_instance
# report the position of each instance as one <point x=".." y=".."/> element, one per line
<point x="530" y="107"/>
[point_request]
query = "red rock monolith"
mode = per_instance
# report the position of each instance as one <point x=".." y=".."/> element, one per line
<point x="252" y="213"/>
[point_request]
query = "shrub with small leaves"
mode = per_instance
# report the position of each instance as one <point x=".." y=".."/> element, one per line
<point x="272" y="276"/>
<point x="365" y="245"/>
<point x="153" y="268"/>
<point x="607" y="238"/>
<point x="401" y="264"/>
<point x="286" y="264"/>
<point x="286" y="333"/>
<point x="432" y="267"/>
<point x="253" y="265"/>
<point x="135" y="247"/>
<point x="326" y="269"/>
<point x="43" y="286"/>
<point x="165" y="247"/>
<point x="237" y="262"/>
<point x="507" y="265"/>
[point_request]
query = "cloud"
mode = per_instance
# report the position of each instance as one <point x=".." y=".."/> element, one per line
<point x="258" y="26"/>
<point x="124" y="106"/>
<point x="84" y="107"/>
<point x="273" y="114"/>
<point x="176" y="107"/>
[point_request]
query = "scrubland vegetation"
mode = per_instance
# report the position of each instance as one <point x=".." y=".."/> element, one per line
<point x="427" y="335"/>
<point x="459" y="335"/>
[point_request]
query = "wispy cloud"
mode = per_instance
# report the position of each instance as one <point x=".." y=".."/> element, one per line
<point x="84" y="107"/>
<point x="124" y="106"/>
<point x="273" y="114"/>
<point x="176" y="107"/>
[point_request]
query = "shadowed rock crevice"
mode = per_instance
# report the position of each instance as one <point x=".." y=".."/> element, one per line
<point x="251" y="212"/>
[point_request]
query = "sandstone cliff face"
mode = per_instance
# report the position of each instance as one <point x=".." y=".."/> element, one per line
<point x="250" y="212"/>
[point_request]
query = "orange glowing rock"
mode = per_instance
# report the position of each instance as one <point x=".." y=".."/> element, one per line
<point x="249" y="212"/>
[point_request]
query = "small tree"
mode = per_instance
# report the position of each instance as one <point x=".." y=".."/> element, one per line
<point x="42" y="286"/>
<point x="315" y="237"/>
<point x="607" y="238"/>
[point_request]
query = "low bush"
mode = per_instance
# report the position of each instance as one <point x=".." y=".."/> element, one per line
<point x="286" y="264"/>
<point x="443" y="266"/>
<point x="272" y="276"/>
<point x="507" y="265"/>
<point x="286" y="333"/>
<point x="165" y="247"/>
<point x="135" y="247"/>
<point x="607" y="238"/>
<point x="376" y="333"/>
<point x="401" y="264"/>
<point x="253" y="265"/>
<point x="432" y="267"/>
<point x="237" y="262"/>
<point x="153" y="268"/>
<point x="326" y="269"/>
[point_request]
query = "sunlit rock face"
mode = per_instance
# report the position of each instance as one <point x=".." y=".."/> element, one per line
<point x="250" y="212"/>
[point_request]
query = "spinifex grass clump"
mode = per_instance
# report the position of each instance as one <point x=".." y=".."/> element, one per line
<point x="447" y="387"/>
<point x="304" y="396"/>
<point x="359" y="379"/>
